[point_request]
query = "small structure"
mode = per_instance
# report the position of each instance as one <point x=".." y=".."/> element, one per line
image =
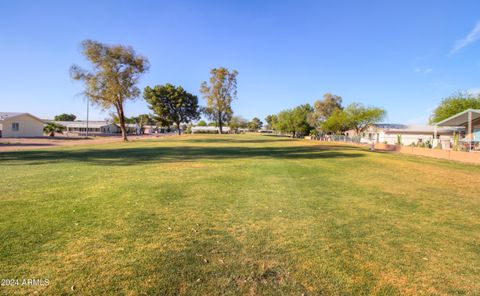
<point x="150" y="129"/>
<point x="468" y="120"/>
<point x="209" y="130"/>
<point x="94" y="127"/>
<point x="20" y="125"/>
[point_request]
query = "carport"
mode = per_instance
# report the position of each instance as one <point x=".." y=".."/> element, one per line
<point x="470" y="120"/>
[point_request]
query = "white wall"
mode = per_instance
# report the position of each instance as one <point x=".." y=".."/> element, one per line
<point x="406" y="138"/>
<point x="409" y="138"/>
<point x="28" y="127"/>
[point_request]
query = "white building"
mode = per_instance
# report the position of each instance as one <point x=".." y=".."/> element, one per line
<point x="408" y="134"/>
<point x="209" y="129"/>
<point x="20" y="125"/>
<point x="94" y="127"/>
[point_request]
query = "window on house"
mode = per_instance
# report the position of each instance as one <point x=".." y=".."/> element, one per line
<point x="15" y="126"/>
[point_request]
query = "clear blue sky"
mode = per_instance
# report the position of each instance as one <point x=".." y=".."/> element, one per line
<point x="401" y="55"/>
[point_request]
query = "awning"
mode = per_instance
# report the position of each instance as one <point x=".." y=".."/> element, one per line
<point x="460" y="119"/>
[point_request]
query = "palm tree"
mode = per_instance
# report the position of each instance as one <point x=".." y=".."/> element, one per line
<point x="52" y="128"/>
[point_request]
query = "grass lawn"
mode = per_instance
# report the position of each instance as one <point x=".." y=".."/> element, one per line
<point x="246" y="214"/>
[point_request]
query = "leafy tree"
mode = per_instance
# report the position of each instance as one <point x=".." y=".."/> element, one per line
<point x="300" y="119"/>
<point x="294" y="120"/>
<point x="172" y="104"/>
<point x="237" y="122"/>
<point x="52" y="128"/>
<point x="255" y="124"/>
<point x="454" y="104"/>
<point x="336" y="123"/>
<point x="359" y="117"/>
<point x="212" y="123"/>
<point x="113" y="77"/>
<point x="323" y="109"/>
<point x="271" y="121"/>
<point x="201" y="123"/>
<point x="219" y="94"/>
<point x="65" y="117"/>
<point x="285" y="122"/>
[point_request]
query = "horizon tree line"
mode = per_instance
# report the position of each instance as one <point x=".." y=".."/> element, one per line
<point x="116" y="69"/>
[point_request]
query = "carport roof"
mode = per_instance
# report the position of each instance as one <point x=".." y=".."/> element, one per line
<point x="460" y="119"/>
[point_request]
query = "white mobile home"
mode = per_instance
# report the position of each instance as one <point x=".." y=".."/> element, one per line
<point x="20" y="125"/>
<point x="209" y="130"/>
<point x="407" y="134"/>
<point x="94" y="127"/>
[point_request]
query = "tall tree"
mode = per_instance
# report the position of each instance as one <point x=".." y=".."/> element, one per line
<point x="300" y="119"/>
<point x="271" y="120"/>
<point x="360" y="117"/>
<point x="336" y="123"/>
<point x="65" y="117"/>
<point x="454" y="104"/>
<point x="255" y="124"/>
<point x="285" y="122"/>
<point x="219" y="93"/>
<point x="323" y="109"/>
<point x="294" y="121"/>
<point x="113" y="78"/>
<point x="172" y="104"/>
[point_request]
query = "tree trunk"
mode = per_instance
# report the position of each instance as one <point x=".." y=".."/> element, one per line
<point x="220" y="129"/>
<point x="121" y="117"/>
<point x="220" y="123"/>
<point x="178" y="128"/>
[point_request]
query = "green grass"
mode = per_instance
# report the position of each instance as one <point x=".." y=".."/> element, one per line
<point x="229" y="215"/>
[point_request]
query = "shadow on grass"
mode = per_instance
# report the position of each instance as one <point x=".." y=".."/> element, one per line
<point x="25" y="144"/>
<point x="133" y="156"/>
<point x="245" y="141"/>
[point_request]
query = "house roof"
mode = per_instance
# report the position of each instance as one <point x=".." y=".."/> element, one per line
<point x="389" y="125"/>
<point x="460" y="119"/>
<point x="83" y="124"/>
<point x="8" y="115"/>
<point x="412" y="128"/>
<point x="420" y="129"/>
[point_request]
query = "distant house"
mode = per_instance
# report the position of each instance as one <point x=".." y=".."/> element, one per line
<point x="151" y="129"/>
<point x="209" y="129"/>
<point x="20" y="125"/>
<point x="94" y="127"/>
<point x="408" y="134"/>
